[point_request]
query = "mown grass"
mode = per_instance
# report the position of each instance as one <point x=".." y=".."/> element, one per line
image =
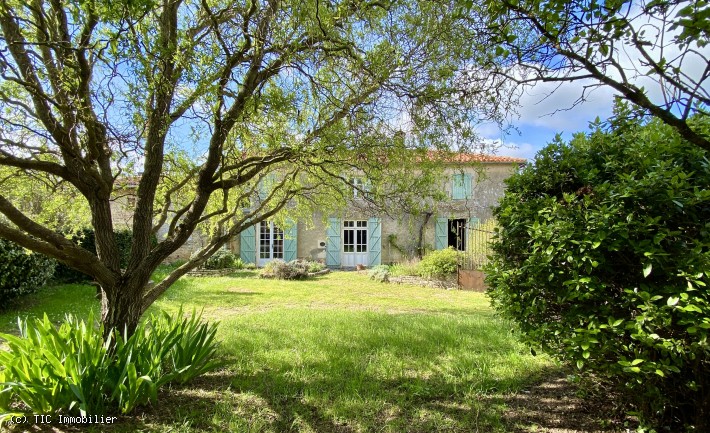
<point x="54" y="300"/>
<point x="339" y="353"/>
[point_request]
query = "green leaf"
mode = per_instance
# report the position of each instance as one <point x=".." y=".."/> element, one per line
<point x="647" y="270"/>
<point x="672" y="301"/>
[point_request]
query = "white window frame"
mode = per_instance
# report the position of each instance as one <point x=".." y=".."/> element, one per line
<point x="273" y="231"/>
<point x="358" y="245"/>
<point x="359" y="186"/>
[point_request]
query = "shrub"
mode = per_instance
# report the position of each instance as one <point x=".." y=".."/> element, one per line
<point x="410" y="267"/>
<point x="223" y="259"/>
<point x="602" y="259"/>
<point x="439" y="263"/>
<point x="293" y="270"/>
<point x="70" y="368"/>
<point x="314" y="267"/>
<point x="380" y="273"/>
<point x="250" y="266"/>
<point x="21" y="272"/>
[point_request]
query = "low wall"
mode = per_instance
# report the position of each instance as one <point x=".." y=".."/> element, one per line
<point x="211" y="272"/>
<point x="449" y="283"/>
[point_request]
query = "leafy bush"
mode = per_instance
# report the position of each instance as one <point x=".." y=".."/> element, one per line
<point x="602" y="258"/>
<point x="293" y="270"/>
<point x="71" y="369"/>
<point x="21" y="272"/>
<point x="223" y="259"/>
<point x="439" y="263"/>
<point x="380" y="273"/>
<point x="250" y="266"/>
<point x="86" y="239"/>
<point x="314" y="267"/>
<point x="410" y="267"/>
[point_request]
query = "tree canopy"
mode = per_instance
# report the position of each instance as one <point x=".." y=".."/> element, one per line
<point x="651" y="53"/>
<point x="199" y="103"/>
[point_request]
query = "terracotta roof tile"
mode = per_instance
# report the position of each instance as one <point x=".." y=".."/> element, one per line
<point x="477" y="157"/>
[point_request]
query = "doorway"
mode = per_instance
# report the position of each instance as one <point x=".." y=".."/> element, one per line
<point x="271" y="242"/>
<point x="457" y="234"/>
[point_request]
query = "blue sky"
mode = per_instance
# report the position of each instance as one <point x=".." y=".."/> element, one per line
<point x="546" y="110"/>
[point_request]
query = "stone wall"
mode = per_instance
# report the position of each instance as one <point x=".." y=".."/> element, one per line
<point x="449" y="283"/>
<point x="210" y="272"/>
<point x="488" y="188"/>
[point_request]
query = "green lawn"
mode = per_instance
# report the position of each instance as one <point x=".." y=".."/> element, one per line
<point x="339" y="353"/>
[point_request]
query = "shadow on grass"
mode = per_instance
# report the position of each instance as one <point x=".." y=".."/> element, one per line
<point x="270" y="401"/>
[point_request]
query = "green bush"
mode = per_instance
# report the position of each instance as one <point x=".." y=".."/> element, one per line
<point x="380" y="273"/>
<point x="223" y="259"/>
<point x="439" y="263"/>
<point x="602" y="258"/>
<point x="314" y="267"/>
<point x="21" y="272"/>
<point x="70" y="368"/>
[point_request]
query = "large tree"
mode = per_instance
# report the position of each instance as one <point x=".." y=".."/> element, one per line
<point x="651" y="53"/>
<point x="221" y="114"/>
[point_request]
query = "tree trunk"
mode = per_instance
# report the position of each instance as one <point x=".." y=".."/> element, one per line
<point x="420" y="240"/>
<point x="121" y="309"/>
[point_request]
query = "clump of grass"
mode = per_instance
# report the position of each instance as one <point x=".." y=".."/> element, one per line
<point x="406" y="268"/>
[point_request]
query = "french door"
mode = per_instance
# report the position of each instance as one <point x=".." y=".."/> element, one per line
<point x="271" y="242"/>
<point x="355" y="250"/>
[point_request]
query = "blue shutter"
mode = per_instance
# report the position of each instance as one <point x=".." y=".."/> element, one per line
<point x="467" y="186"/>
<point x="441" y="237"/>
<point x="332" y="243"/>
<point x="458" y="189"/>
<point x="291" y="241"/>
<point x="374" y="243"/>
<point x="247" y="245"/>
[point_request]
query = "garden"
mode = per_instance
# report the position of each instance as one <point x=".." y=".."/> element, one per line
<point x="337" y="352"/>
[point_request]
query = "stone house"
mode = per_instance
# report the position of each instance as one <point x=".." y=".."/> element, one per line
<point x="356" y="236"/>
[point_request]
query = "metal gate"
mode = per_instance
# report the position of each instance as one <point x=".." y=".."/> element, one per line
<point x="477" y="250"/>
<point x="478" y="236"/>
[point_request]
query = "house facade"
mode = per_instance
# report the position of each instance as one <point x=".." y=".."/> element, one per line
<point x="358" y="237"/>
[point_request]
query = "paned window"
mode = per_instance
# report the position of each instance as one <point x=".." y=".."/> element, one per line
<point x="355" y="236"/>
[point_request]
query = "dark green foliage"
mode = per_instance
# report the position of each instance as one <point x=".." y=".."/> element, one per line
<point x="86" y="239"/>
<point x="70" y="369"/>
<point x="602" y="258"/>
<point x="223" y="259"/>
<point x="439" y="263"/>
<point x="21" y="272"/>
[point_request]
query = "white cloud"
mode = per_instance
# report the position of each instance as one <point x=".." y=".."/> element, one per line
<point x="552" y="105"/>
<point x="518" y="150"/>
<point x="558" y="106"/>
